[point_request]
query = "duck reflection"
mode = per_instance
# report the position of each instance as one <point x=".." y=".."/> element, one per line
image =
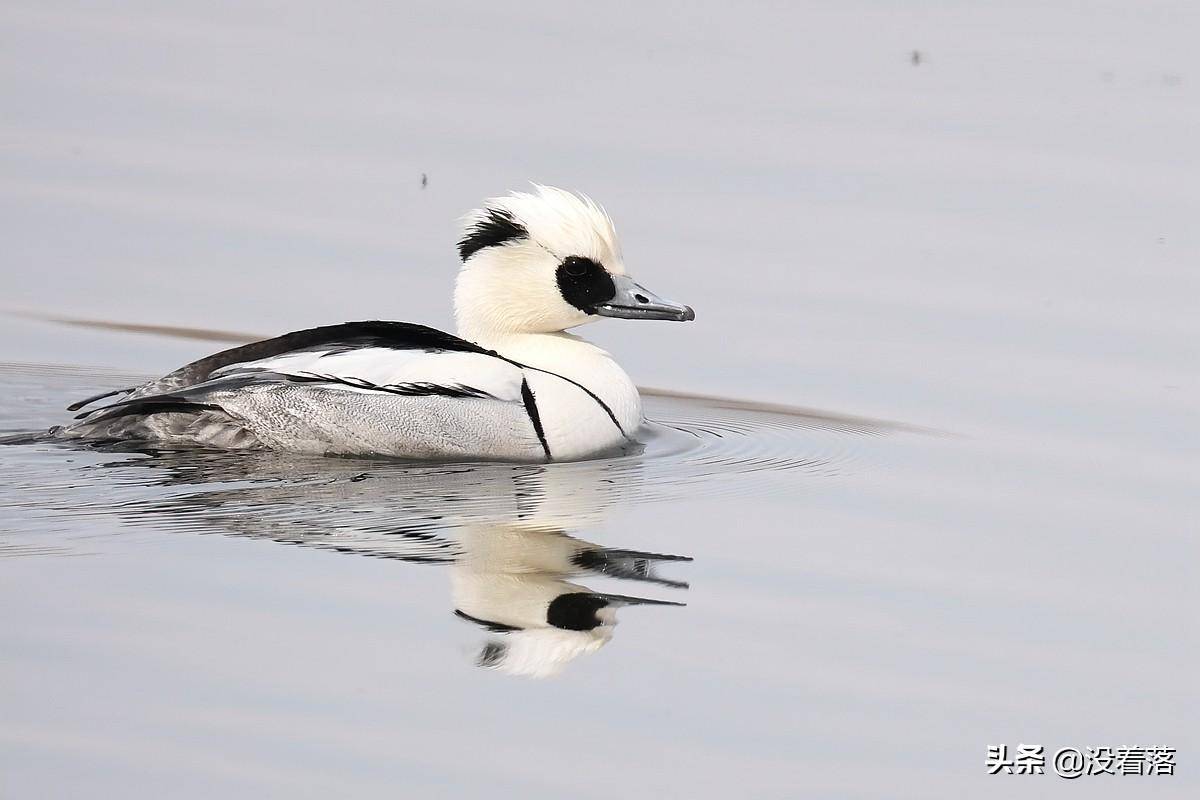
<point x="512" y="581"/>
<point x="501" y="530"/>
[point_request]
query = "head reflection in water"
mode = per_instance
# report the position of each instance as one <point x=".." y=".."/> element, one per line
<point x="511" y="580"/>
<point x="501" y="529"/>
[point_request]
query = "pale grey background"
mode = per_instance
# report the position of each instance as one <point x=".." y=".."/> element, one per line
<point x="1000" y="242"/>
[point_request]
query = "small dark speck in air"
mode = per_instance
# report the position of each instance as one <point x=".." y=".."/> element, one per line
<point x="915" y="58"/>
<point x="424" y="180"/>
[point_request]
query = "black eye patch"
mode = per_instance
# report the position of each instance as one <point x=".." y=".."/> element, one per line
<point x="584" y="284"/>
<point x="575" y="611"/>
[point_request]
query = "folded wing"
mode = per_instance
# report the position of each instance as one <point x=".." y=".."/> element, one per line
<point x="371" y="387"/>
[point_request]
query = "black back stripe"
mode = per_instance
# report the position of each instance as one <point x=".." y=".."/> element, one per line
<point x="340" y="338"/>
<point x="534" y="416"/>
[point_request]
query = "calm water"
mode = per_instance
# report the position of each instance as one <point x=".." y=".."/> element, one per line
<point x="958" y="509"/>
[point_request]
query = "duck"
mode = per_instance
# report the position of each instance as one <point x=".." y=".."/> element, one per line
<point x="513" y="384"/>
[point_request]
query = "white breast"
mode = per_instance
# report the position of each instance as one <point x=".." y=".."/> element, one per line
<point x="580" y="382"/>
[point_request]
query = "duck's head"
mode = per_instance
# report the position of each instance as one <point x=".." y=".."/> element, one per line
<point x="545" y="261"/>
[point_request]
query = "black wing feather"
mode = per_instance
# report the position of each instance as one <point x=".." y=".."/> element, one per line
<point x="337" y="338"/>
<point x="341" y="338"/>
<point x="89" y="400"/>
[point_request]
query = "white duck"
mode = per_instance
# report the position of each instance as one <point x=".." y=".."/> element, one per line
<point x="515" y="386"/>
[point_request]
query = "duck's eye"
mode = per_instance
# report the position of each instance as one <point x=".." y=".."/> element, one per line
<point x="584" y="283"/>
<point x="576" y="267"/>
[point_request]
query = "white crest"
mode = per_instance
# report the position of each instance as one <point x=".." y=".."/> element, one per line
<point x="564" y="223"/>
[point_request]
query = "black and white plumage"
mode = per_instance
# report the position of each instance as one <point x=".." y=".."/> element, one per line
<point x="516" y="580"/>
<point x="514" y="385"/>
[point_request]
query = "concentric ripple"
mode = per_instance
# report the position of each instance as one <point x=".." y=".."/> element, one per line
<point x="387" y="508"/>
